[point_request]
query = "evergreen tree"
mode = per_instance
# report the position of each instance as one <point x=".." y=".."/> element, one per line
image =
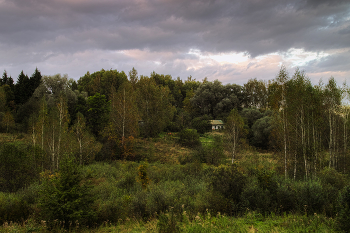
<point x="65" y="197"/>
<point x="34" y="81"/>
<point x="22" y="92"/>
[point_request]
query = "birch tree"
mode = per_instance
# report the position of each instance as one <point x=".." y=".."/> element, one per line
<point x="87" y="146"/>
<point x="123" y="121"/>
<point x="8" y="121"/>
<point x="332" y="101"/>
<point x="277" y="102"/>
<point x="233" y="131"/>
<point x="63" y="120"/>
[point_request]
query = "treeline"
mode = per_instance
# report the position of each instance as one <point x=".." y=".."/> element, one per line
<point x="99" y="116"/>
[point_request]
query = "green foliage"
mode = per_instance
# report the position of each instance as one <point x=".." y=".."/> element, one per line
<point x="343" y="219"/>
<point x="229" y="182"/>
<point x="251" y="115"/>
<point x="310" y="197"/>
<point x="329" y="176"/>
<point x="17" y="167"/>
<point x="189" y="137"/>
<point x="201" y="124"/>
<point x="97" y="113"/>
<point x="65" y="197"/>
<point x="143" y="175"/>
<point x="13" y="208"/>
<point x="101" y="81"/>
<point x="255" y="197"/>
<point x="260" y="193"/>
<point x="168" y="222"/>
<point x="22" y="94"/>
<point x="333" y="183"/>
<point x="211" y="152"/>
<point x="154" y="107"/>
<point x="261" y="130"/>
<point x="217" y="100"/>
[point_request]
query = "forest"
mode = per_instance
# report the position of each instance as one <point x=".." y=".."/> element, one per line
<point x="117" y="152"/>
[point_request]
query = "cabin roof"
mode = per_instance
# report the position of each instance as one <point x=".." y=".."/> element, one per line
<point x="216" y="122"/>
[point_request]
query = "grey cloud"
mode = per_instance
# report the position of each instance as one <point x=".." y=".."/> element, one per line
<point x="336" y="62"/>
<point x="255" y="26"/>
<point x="39" y="31"/>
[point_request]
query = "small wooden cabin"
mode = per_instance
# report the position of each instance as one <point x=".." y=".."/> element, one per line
<point x="217" y="124"/>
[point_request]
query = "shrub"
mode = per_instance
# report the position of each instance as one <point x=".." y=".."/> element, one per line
<point x="167" y="222"/>
<point x="310" y="198"/>
<point x="285" y="197"/>
<point x="65" y="197"/>
<point x="343" y="219"/>
<point x="143" y="175"/>
<point x="138" y="205"/>
<point x="211" y="152"/>
<point x="13" y="208"/>
<point x="17" y="168"/>
<point x="228" y="181"/>
<point x="332" y="177"/>
<point x="201" y="124"/>
<point x="255" y="197"/>
<point x="189" y="137"/>
<point x="158" y="201"/>
<point x="113" y="209"/>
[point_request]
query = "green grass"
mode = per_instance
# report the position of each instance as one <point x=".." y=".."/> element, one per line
<point x="250" y="222"/>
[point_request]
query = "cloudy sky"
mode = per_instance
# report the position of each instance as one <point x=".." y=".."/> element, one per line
<point x="229" y="40"/>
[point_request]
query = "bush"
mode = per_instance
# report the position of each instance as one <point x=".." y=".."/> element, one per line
<point x="229" y="182"/>
<point x="65" y="197"/>
<point x="310" y="197"/>
<point x="201" y="124"/>
<point x="285" y="197"/>
<point x="167" y="222"/>
<point x="255" y="197"/>
<point x="13" y="208"/>
<point x="17" y="167"/>
<point x="189" y="137"/>
<point x="211" y="152"/>
<point x="343" y="219"/>
<point x="330" y="176"/>
<point x="332" y="183"/>
<point x="138" y="205"/>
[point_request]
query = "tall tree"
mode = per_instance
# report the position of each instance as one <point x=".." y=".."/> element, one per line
<point x="133" y="76"/>
<point x="212" y="98"/>
<point x="97" y="113"/>
<point x="154" y="104"/>
<point x="22" y="93"/>
<point x="277" y="101"/>
<point x="233" y="131"/>
<point x="124" y="117"/>
<point x="101" y="82"/>
<point x="332" y="95"/>
<point x="86" y="142"/>
<point x="256" y="94"/>
<point x="63" y="120"/>
<point x="34" y="81"/>
<point x="2" y="99"/>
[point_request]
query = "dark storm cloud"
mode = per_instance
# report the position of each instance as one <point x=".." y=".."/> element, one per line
<point x="255" y="26"/>
<point x="35" y="31"/>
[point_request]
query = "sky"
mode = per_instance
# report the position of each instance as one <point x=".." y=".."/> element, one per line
<point x="229" y="40"/>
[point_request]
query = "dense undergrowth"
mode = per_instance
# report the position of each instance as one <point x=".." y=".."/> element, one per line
<point x="183" y="193"/>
